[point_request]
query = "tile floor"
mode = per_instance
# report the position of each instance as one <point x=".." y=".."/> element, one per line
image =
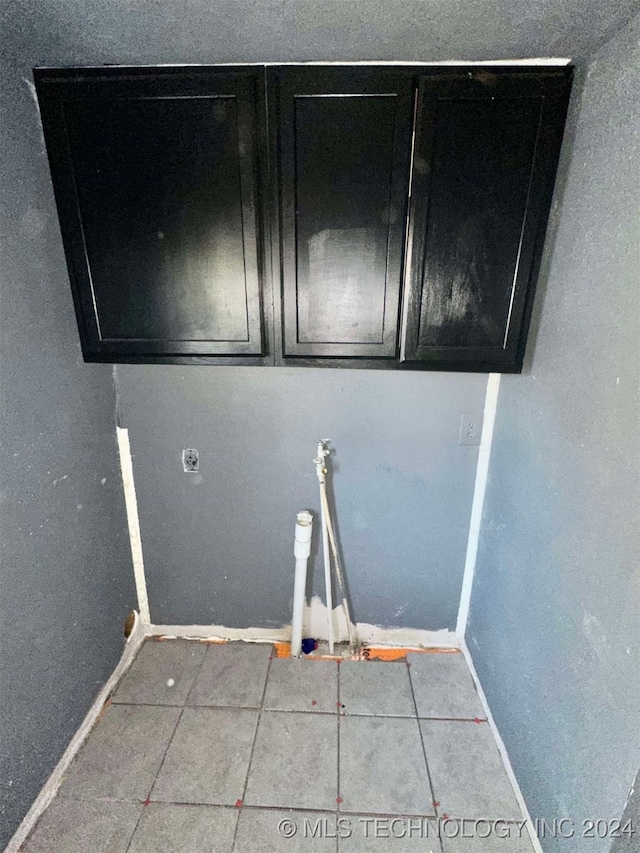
<point x="221" y="748"/>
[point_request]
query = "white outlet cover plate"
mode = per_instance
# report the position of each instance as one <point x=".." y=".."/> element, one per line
<point x="470" y="428"/>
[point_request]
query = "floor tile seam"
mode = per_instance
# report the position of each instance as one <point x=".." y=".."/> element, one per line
<point x="164" y="756"/>
<point x="338" y="707"/>
<point x="135" y="829"/>
<point x="146" y="800"/>
<point x="294" y="809"/>
<point x="196" y="676"/>
<point x="434" y="799"/>
<point x="299" y="711"/>
<point x="253" y="746"/>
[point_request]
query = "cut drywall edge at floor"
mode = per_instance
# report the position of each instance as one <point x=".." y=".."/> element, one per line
<point x="315" y="625"/>
<point x="50" y="788"/>
<point x="502" y="749"/>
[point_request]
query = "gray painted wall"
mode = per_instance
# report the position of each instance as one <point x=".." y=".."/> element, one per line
<point x="218" y="546"/>
<point x="73" y="571"/>
<point x="403" y="498"/>
<point x="554" y="628"/>
<point x="65" y="576"/>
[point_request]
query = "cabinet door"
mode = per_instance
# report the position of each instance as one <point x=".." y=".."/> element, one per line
<point x="486" y="150"/>
<point x="156" y="178"/>
<point x="342" y="139"/>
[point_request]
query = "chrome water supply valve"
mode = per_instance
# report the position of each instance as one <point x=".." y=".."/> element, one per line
<point x="322" y="451"/>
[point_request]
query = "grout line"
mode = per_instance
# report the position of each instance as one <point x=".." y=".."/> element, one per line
<point x="300" y="711"/>
<point x="185" y="704"/>
<point x="135" y="828"/>
<point x="301" y="810"/>
<point x="173" y="734"/>
<point x="424" y="750"/>
<point x="133" y="522"/>
<point x="338" y="709"/>
<point x="339" y="794"/>
<point x="479" y="491"/>
<point x="253" y="746"/>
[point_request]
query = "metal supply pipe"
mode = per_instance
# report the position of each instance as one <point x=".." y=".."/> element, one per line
<point x="321" y="452"/>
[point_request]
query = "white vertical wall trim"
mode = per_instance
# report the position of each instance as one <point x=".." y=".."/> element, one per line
<point x="126" y="466"/>
<point x="482" y="471"/>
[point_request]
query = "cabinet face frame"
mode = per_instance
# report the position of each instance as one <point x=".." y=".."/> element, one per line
<point x="552" y="86"/>
<point x="265" y="82"/>
<point x="284" y="86"/>
<point x="55" y="88"/>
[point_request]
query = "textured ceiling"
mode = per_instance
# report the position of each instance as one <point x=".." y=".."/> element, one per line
<point x="151" y="31"/>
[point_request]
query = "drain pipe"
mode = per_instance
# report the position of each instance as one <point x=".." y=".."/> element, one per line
<point x="321" y="452"/>
<point x="301" y="551"/>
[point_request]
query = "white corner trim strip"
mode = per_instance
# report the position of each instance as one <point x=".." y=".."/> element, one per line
<point x="48" y="792"/>
<point x="128" y="483"/>
<point x="482" y="471"/>
<point x="502" y="749"/>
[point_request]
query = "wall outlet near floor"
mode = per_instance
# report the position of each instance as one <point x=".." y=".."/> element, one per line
<point x="470" y="428"/>
<point x="190" y="461"/>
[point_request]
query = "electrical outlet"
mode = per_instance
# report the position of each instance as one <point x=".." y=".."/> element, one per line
<point x="190" y="461"/>
<point x="470" y="428"/>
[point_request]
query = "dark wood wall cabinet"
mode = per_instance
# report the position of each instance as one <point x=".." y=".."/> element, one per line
<point x="349" y="216"/>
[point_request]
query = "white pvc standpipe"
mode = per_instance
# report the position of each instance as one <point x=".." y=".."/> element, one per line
<point x="301" y="551"/>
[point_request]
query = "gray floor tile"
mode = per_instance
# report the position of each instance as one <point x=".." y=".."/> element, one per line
<point x="232" y="674"/>
<point x="171" y="828"/>
<point x="468" y="776"/>
<point x="148" y="681"/>
<point x="208" y="758"/>
<point x="370" y="834"/>
<point x="302" y="685"/>
<point x="518" y="841"/>
<point x="123" y="753"/>
<point x="73" y="826"/>
<point x="376" y="687"/>
<point x="295" y="761"/>
<point x="443" y="686"/>
<point x="267" y="831"/>
<point x="382" y="767"/>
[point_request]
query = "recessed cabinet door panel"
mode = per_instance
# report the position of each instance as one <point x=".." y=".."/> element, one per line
<point x="484" y="161"/>
<point x="344" y="160"/>
<point x="163" y="171"/>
